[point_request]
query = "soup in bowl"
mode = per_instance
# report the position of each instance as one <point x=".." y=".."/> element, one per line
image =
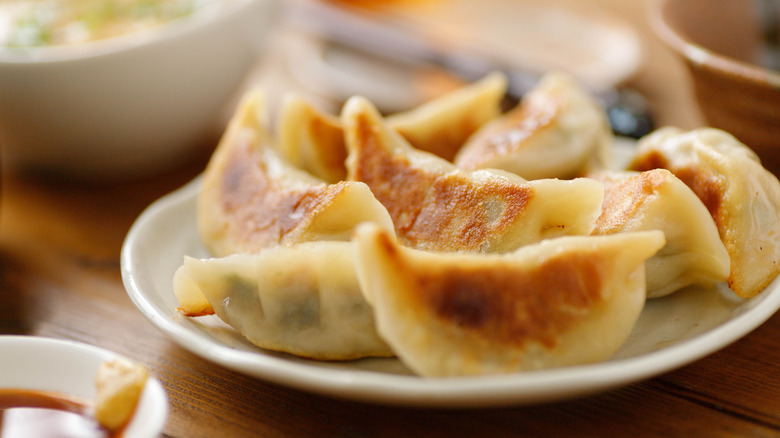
<point x="107" y="90"/>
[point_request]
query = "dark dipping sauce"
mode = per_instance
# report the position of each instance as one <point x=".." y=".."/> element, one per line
<point x="41" y="414"/>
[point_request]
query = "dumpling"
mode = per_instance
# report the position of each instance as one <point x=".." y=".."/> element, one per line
<point x="191" y="300"/>
<point x="564" y="301"/>
<point x="314" y="140"/>
<point x="303" y="299"/>
<point x="250" y="198"/>
<point x="741" y="195"/>
<point x="443" y="125"/>
<point x="557" y="131"/>
<point x="657" y="200"/>
<point x="436" y="206"/>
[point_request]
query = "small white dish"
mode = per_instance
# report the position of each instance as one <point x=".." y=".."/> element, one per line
<point x="132" y="105"/>
<point x="672" y="331"/>
<point x="69" y="368"/>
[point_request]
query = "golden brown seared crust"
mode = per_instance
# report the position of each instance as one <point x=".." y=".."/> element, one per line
<point x="657" y="200"/>
<point x="470" y="212"/>
<point x="446" y="208"/>
<point x="204" y="312"/>
<point x="649" y="161"/>
<point x="262" y="213"/>
<point x="313" y="140"/>
<point x="623" y="198"/>
<point x="708" y="186"/>
<point x="558" y="302"/>
<point x="557" y="131"/>
<point x="503" y="137"/>
<point x="506" y="306"/>
<point x="332" y="151"/>
<point x="397" y="185"/>
<point x="252" y="198"/>
<point x="741" y="196"/>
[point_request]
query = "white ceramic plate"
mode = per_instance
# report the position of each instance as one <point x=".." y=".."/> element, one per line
<point x="67" y="367"/>
<point x="671" y="332"/>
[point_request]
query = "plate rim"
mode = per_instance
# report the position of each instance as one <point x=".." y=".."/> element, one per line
<point x="458" y="392"/>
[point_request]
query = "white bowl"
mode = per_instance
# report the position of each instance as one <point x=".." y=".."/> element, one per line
<point x="131" y="105"/>
<point x="67" y="367"/>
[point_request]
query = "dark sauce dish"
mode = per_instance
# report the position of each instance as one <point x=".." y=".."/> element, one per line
<point x="31" y="413"/>
<point x="47" y="389"/>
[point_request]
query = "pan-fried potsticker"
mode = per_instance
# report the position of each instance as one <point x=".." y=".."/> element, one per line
<point x="313" y="140"/>
<point x="557" y="131"/>
<point x="436" y="206"/>
<point x="443" y="125"/>
<point x="657" y="200"/>
<point x="302" y="299"/>
<point x="742" y="196"/>
<point x="251" y="198"/>
<point x="564" y="301"/>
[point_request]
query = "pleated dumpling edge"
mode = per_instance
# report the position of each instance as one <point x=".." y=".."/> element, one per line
<point x="564" y="301"/>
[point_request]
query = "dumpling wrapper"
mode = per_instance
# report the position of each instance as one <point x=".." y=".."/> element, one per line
<point x="741" y="195"/>
<point x="565" y="301"/>
<point x="558" y="130"/>
<point x="251" y="198"/>
<point x="303" y="299"/>
<point x="442" y="126"/>
<point x="657" y="200"/>
<point x="436" y="206"/>
<point x="313" y="140"/>
<point x="191" y="300"/>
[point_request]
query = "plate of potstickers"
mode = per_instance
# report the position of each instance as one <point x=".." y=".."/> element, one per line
<point x="455" y="255"/>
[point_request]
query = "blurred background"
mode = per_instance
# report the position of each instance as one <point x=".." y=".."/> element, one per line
<point x="402" y="52"/>
<point x="134" y="106"/>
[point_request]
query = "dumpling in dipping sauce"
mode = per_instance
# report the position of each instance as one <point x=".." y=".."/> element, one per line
<point x="304" y="300"/>
<point x="564" y="301"/>
<point x="741" y="195"/>
<point x="557" y="131"/>
<point x="657" y="200"/>
<point x="436" y="206"/>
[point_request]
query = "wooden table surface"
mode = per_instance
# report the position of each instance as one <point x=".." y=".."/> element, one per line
<point x="59" y="264"/>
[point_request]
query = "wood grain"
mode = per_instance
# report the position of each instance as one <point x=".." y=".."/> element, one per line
<point x="59" y="277"/>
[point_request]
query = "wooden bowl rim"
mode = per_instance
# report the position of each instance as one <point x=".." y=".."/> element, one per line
<point x="703" y="58"/>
